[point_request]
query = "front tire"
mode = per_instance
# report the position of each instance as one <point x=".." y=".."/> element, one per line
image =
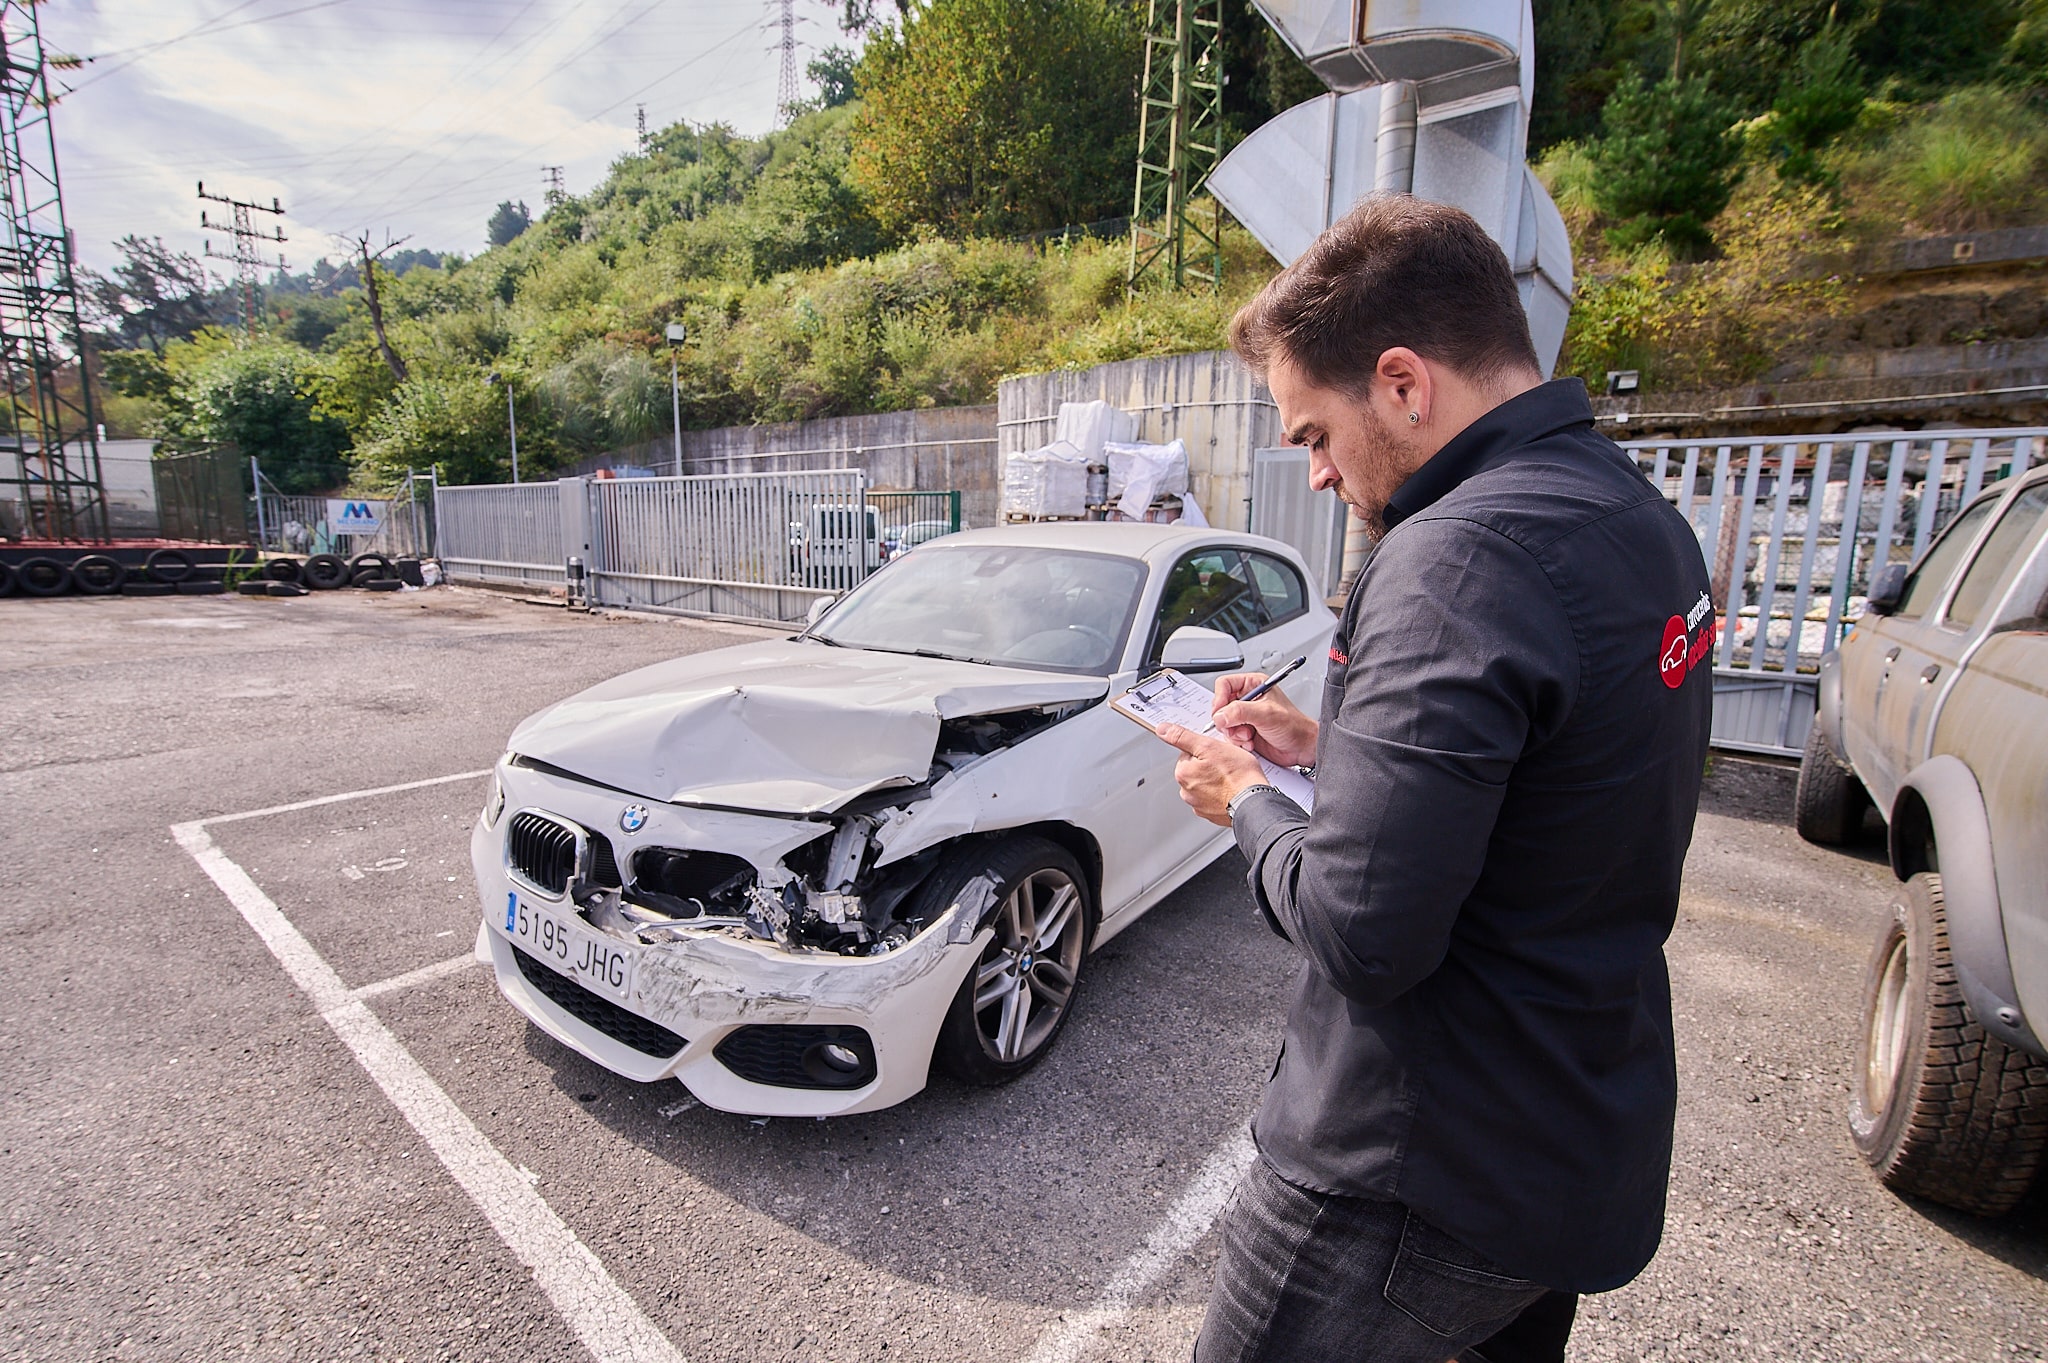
<point x="1828" y="804"/>
<point x="1015" y="1000"/>
<point x="1938" y="1107"/>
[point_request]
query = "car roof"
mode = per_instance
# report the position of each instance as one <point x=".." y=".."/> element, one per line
<point x="1130" y="539"/>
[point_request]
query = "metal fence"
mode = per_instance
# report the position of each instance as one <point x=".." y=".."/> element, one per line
<point x="1792" y="531"/>
<point x="305" y="525"/>
<point x="748" y="546"/>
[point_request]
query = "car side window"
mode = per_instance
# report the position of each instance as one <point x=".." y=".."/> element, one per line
<point x="1211" y="588"/>
<point x="1281" y="590"/>
<point x="1987" y="572"/>
<point x="1925" y="586"/>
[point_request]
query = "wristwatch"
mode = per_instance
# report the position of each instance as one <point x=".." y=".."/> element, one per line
<point x="1230" y="810"/>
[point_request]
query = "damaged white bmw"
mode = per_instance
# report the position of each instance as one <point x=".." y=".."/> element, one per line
<point x="795" y="875"/>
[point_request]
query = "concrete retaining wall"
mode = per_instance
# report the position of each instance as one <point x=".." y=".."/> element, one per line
<point x="1207" y="400"/>
<point x="937" y="449"/>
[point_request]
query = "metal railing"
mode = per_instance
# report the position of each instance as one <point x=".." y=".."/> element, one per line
<point x="1792" y="530"/>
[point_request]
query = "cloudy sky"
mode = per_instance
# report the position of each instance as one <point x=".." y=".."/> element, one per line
<point x="412" y="116"/>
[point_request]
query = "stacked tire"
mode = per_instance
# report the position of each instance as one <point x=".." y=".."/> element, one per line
<point x="326" y="573"/>
<point x="172" y="572"/>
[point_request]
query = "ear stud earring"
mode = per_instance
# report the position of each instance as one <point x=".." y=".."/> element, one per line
<point x="1414" y="417"/>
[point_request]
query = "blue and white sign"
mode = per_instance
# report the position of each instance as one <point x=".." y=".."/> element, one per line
<point x="346" y="516"/>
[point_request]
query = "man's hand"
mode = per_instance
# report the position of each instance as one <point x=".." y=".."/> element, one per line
<point x="1210" y="772"/>
<point x="1271" y="726"/>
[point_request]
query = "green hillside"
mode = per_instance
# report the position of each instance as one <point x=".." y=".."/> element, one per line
<point x="908" y="246"/>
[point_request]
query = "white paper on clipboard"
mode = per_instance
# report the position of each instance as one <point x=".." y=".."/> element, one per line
<point x="1167" y="697"/>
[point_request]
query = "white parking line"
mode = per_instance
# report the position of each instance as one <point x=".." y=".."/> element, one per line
<point x="426" y="974"/>
<point x="600" y="1312"/>
<point x="1190" y="1217"/>
<point x="342" y="798"/>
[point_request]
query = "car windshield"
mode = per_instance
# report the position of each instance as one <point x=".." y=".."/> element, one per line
<point x="994" y="603"/>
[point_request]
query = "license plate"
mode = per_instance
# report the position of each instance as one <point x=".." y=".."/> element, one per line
<point x="602" y="966"/>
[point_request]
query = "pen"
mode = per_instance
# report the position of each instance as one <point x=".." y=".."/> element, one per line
<point x="1269" y="683"/>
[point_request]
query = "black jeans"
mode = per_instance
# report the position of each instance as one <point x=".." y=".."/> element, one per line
<point x="1311" y="1277"/>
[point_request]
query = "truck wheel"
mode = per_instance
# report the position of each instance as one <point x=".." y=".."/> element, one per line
<point x="1016" y="999"/>
<point x="1939" y="1108"/>
<point x="1828" y="804"/>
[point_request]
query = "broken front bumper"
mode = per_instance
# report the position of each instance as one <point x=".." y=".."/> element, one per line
<point x="747" y="1025"/>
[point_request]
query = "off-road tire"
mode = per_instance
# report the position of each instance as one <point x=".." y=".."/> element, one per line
<point x="1938" y="1107"/>
<point x="1828" y="804"/>
<point x="963" y="1051"/>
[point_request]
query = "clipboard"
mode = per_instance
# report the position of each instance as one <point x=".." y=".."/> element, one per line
<point x="1169" y="697"/>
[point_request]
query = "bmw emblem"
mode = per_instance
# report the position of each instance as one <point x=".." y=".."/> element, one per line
<point x="633" y="818"/>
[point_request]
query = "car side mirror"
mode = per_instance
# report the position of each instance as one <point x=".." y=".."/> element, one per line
<point x="818" y="609"/>
<point x="1886" y="589"/>
<point x="1194" y="649"/>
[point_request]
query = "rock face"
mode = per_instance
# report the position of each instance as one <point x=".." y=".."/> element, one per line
<point x="1928" y="343"/>
<point x="2018" y="311"/>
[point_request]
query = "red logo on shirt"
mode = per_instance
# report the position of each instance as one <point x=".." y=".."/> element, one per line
<point x="1338" y="656"/>
<point x="1672" y="662"/>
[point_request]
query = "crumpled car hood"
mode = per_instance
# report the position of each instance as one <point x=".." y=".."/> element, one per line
<point x="781" y="727"/>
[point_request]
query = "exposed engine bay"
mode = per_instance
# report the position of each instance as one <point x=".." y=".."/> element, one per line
<point x="833" y="893"/>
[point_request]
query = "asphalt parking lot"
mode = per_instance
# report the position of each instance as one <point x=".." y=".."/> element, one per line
<point x="216" y="1150"/>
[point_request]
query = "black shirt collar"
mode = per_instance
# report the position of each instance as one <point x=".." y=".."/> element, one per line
<point x="1520" y="420"/>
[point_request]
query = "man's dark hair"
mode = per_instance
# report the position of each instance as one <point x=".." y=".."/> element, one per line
<point x="1394" y="271"/>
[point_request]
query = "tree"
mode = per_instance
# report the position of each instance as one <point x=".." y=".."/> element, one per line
<point x="1680" y="20"/>
<point x="999" y="116"/>
<point x="265" y="400"/>
<point x="1818" y="102"/>
<point x="1664" y="158"/>
<point x="507" y="222"/>
<point x="832" y="72"/>
<point x="455" y="420"/>
<point x="156" y="296"/>
<point x="1936" y="44"/>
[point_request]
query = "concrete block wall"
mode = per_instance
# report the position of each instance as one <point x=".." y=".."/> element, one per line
<point x="936" y="449"/>
<point x="1207" y="400"/>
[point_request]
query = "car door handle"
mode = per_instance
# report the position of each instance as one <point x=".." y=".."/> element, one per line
<point x="1891" y="655"/>
<point x="1930" y="672"/>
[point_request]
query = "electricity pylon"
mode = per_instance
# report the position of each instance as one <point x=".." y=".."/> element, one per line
<point x="1180" y="140"/>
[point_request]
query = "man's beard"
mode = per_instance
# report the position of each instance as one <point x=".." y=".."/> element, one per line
<point x="1369" y="503"/>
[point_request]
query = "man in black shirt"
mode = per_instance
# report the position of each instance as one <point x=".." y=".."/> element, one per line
<point x="1470" y="1119"/>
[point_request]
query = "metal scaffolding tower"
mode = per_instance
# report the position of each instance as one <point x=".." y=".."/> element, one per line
<point x="247" y="259"/>
<point x="54" y="459"/>
<point x="1180" y="140"/>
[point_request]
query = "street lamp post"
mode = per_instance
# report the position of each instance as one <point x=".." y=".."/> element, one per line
<point x="511" y="421"/>
<point x="676" y="333"/>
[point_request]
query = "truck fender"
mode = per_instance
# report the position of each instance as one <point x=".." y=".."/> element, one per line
<point x="1828" y="698"/>
<point x="1938" y="824"/>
